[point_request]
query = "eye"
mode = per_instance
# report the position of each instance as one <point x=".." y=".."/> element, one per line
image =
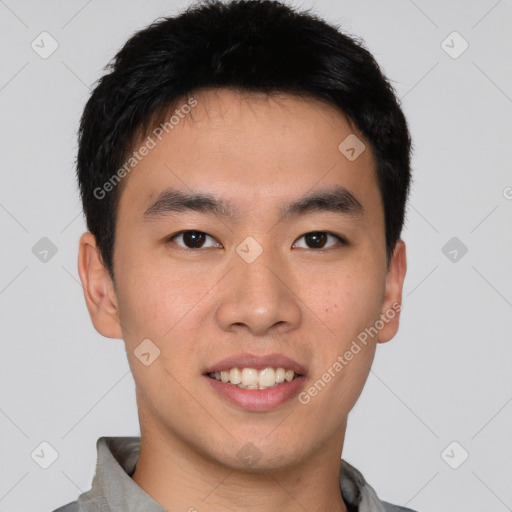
<point x="318" y="239"/>
<point x="192" y="239"/>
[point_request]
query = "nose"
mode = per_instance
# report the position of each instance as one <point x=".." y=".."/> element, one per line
<point x="260" y="297"/>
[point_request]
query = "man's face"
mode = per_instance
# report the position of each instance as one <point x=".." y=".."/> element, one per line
<point x="258" y="282"/>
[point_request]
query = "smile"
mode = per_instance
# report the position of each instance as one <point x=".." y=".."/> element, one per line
<point x="250" y="378"/>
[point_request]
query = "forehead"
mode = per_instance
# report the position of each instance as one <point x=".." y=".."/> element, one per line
<point x="254" y="148"/>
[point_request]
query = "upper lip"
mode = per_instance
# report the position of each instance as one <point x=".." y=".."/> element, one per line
<point x="258" y="362"/>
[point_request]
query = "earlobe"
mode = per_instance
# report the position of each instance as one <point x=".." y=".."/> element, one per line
<point x="98" y="288"/>
<point x="392" y="303"/>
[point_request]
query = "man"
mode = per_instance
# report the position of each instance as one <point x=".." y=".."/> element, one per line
<point x="244" y="170"/>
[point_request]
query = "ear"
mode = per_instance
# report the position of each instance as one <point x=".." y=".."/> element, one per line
<point x="392" y="303"/>
<point x="99" y="292"/>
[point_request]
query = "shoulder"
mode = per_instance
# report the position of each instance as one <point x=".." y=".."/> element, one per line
<point x="70" y="507"/>
<point x="358" y="493"/>
<point x="389" y="507"/>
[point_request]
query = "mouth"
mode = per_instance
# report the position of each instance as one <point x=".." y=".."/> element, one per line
<point x="256" y="383"/>
<point x="251" y="378"/>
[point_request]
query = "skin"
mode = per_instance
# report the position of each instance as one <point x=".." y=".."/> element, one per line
<point x="202" y="305"/>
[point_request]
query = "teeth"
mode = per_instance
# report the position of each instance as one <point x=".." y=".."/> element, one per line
<point x="249" y="378"/>
<point x="235" y="376"/>
<point x="267" y="377"/>
<point x="280" y="373"/>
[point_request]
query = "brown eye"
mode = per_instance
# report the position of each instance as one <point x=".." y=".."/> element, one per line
<point x="191" y="239"/>
<point x="318" y="239"/>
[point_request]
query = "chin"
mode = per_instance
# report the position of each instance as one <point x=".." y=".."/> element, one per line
<point x="253" y="458"/>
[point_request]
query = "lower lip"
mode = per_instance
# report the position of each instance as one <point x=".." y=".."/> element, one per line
<point x="258" y="399"/>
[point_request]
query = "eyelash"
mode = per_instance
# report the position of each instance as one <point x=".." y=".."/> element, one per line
<point x="341" y="239"/>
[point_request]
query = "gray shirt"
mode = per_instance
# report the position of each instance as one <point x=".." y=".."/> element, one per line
<point x="113" y="490"/>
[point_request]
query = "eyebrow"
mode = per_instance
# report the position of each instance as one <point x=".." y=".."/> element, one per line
<point x="335" y="199"/>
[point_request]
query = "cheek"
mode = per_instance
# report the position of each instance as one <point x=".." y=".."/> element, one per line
<point x="153" y="301"/>
<point x="345" y="306"/>
<point x="158" y="306"/>
<point x="165" y="306"/>
<point x="345" y="302"/>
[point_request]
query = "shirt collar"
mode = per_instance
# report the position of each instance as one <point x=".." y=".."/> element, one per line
<point x="113" y="490"/>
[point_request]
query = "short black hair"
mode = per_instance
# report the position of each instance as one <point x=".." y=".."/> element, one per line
<point x="251" y="46"/>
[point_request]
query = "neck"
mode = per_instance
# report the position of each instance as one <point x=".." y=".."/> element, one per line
<point x="178" y="477"/>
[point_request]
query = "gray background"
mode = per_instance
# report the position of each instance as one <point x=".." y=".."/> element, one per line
<point x="445" y="377"/>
